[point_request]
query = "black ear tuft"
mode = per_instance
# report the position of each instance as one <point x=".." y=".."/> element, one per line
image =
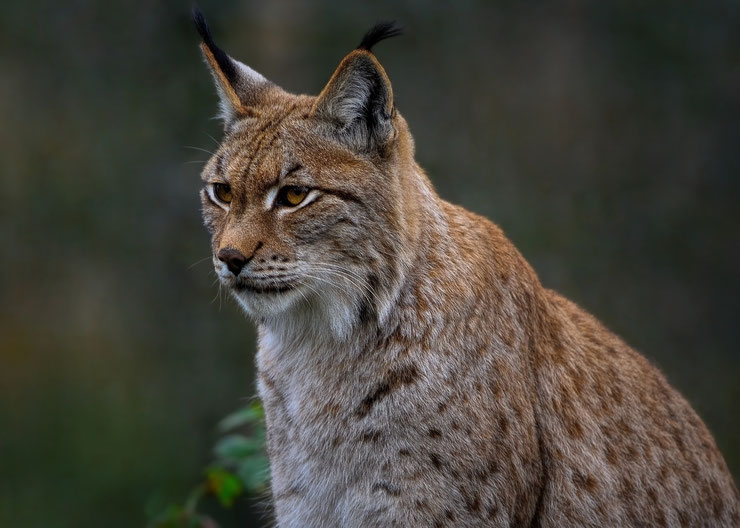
<point x="201" y="25"/>
<point x="224" y="61"/>
<point x="380" y="31"/>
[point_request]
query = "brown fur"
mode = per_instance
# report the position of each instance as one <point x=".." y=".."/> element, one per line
<point x="418" y="374"/>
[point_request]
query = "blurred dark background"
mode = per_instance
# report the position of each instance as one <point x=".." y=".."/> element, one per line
<point x="602" y="136"/>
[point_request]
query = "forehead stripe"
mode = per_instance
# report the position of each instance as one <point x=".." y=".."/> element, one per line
<point x="272" y="121"/>
<point x="220" y="165"/>
<point x="274" y="124"/>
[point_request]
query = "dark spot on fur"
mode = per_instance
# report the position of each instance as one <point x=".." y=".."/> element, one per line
<point x="404" y="452"/>
<point x="367" y="309"/>
<point x="574" y="428"/>
<point x="434" y="433"/>
<point x="508" y="337"/>
<point x="579" y="381"/>
<point x="617" y="395"/>
<point x="718" y="505"/>
<point x="503" y="424"/>
<point x="436" y="460"/>
<point x="372" y="435"/>
<point x="585" y="482"/>
<point x="450" y="515"/>
<point x="611" y="455"/>
<point x="661" y="519"/>
<point x="653" y="495"/>
<point x="627" y="489"/>
<point x="390" y="489"/>
<point x="624" y="427"/>
<point x="472" y="503"/>
<point x="403" y="375"/>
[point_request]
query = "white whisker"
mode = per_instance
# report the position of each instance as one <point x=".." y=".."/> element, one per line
<point x="199" y="261"/>
<point x="212" y="138"/>
<point x="198" y="148"/>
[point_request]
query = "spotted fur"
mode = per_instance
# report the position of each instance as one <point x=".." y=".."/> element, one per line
<point x="413" y="369"/>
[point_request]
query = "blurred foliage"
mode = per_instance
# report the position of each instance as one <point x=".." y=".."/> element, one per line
<point x="241" y="466"/>
<point x="602" y="136"/>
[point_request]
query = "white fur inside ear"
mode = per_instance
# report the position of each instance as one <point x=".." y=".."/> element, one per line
<point x="357" y="103"/>
<point x="248" y="80"/>
<point x="226" y="109"/>
<point x="249" y="75"/>
<point x="351" y="100"/>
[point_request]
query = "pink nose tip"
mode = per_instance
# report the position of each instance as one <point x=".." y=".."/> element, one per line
<point x="233" y="258"/>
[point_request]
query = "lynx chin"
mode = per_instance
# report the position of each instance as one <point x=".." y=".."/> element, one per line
<point x="414" y="371"/>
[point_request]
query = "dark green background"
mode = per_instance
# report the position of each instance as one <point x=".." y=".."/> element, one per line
<point x="602" y="136"/>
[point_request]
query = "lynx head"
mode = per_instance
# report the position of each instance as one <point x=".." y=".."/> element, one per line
<point x="307" y="197"/>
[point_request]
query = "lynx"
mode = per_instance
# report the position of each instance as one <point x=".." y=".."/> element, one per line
<point x="414" y="371"/>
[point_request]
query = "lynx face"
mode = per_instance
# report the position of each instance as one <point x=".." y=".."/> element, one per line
<point x="301" y="198"/>
<point x="289" y="213"/>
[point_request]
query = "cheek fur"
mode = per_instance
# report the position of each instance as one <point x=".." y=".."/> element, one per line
<point x="213" y="217"/>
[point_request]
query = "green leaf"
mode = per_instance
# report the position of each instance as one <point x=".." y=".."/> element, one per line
<point x="249" y="415"/>
<point x="234" y="448"/>
<point x="254" y="473"/>
<point x="224" y="485"/>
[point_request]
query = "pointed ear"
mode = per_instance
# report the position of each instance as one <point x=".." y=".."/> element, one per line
<point x="240" y="88"/>
<point x="357" y="103"/>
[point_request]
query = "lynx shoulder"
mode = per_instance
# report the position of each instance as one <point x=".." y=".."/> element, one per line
<point x="414" y="371"/>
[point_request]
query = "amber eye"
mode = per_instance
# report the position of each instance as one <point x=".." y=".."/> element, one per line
<point x="291" y="195"/>
<point x="222" y="192"/>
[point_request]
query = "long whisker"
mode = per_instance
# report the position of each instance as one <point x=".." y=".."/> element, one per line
<point x="361" y="284"/>
<point x="365" y="293"/>
<point x="339" y="270"/>
<point x="199" y="261"/>
<point x="198" y="148"/>
<point x="355" y="281"/>
<point x="213" y="138"/>
<point x="303" y="284"/>
<point x="217" y="296"/>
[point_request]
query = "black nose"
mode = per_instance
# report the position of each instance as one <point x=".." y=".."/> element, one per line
<point x="233" y="258"/>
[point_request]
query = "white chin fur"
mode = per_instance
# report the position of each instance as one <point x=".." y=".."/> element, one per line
<point x="259" y="305"/>
<point x="302" y="312"/>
